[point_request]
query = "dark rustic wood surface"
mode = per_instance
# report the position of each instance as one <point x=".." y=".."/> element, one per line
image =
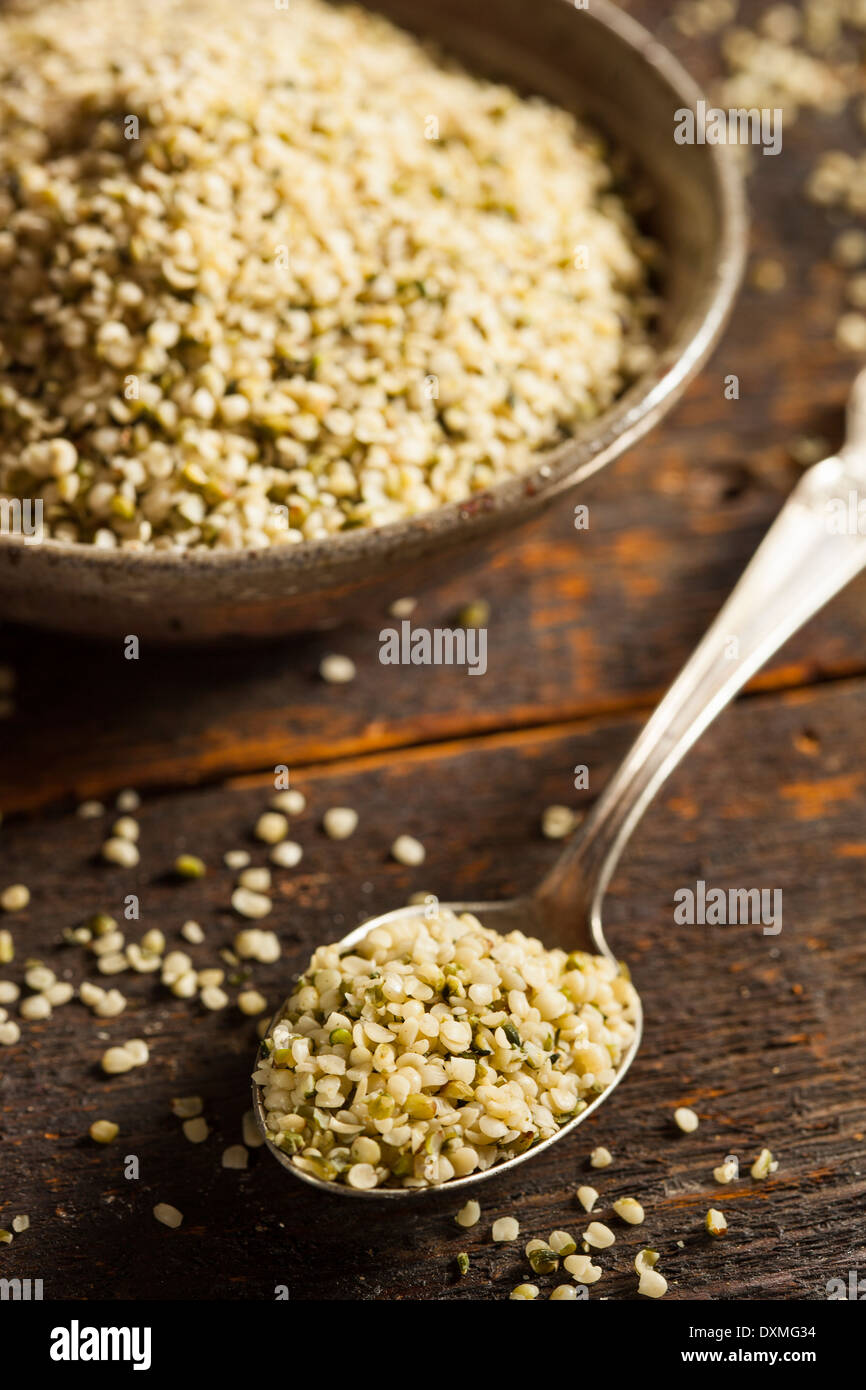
<point x="763" y="1035"/>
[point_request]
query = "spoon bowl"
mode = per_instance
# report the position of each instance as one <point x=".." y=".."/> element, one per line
<point x="512" y="914"/>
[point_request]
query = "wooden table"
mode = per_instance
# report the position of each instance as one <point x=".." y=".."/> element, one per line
<point x="763" y="1035"/>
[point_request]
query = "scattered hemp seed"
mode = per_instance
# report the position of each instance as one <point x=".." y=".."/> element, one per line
<point x="407" y="850"/>
<point x="587" y="1196"/>
<point x="462" y="1263"/>
<point x="557" y="822"/>
<point x="210" y="978"/>
<point x="715" y="1223"/>
<point x="768" y="275"/>
<point x="196" y="1130"/>
<point x="112" y="963"/>
<point x="214" y="998"/>
<point x="600" y="1158"/>
<point x="582" y="1269"/>
<point x="77" y="936"/>
<point x="193" y="933"/>
<point x="339" y="822"/>
<point x="142" y="962"/>
<point x="186" y="1107"/>
<point x="252" y="1003"/>
<point x="524" y="1293"/>
<point x="469" y="1215"/>
<point x="254" y="944"/>
<point x="564" y="1291"/>
<point x="175" y="965"/>
<point x="337" y="670"/>
<point x="629" y="1210"/>
<point x="21" y="1224"/>
<point x="128" y="800"/>
<point x="506" y="1228"/>
<point x="167" y="1216"/>
<point x="291" y="802"/>
<point x="763" y="1165"/>
<point x="9" y="992"/>
<point x="540" y="1256"/>
<point x="34" y="1008"/>
<point x="90" y="810"/>
<point x="104" y="1131"/>
<point x="849" y="248"/>
<point x="236" y="859"/>
<point x="108" y="942"/>
<point x="651" y="1284"/>
<point x="100" y="925"/>
<point x="258" y="878"/>
<point x="251" y="905"/>
<point x="727" y="1171"/>
<point x="10" y="1033"/>
<point x="90" y="994"/>
<point x="851" y="332"/>
<point x="14" y="898"/>
<point x="598" y="1236"/>
<point x="153" y="942"/>
<point x="138" y="1051"/>
<point x="59" y="993"/>
<point x="116" y="1060"/>
<point x="402" y="607"/>
<point x="189" y="866"/>
<point x="287" y="854"/>
<point x="686" y="1119"/>
<point x="39" y="977"/>
<point x="126" y="828"/>
<point x="7" y="947"/>
<point x="184" y="985"/>
<point x="807" y="449"/>
<point x="122" y="852"/>
<point x="271" y="827"/>
<point x="110" y="1003"/>
<point x="235" y="1156"/>
<point x="562" y="1243"/>
<point x="5" y="1236"/>
<point x="474" y="614"/>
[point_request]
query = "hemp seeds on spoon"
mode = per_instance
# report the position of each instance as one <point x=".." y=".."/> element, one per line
<point x="437" y="1048"/>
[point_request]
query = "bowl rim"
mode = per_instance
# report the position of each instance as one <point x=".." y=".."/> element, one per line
<point x="559" y="468"/>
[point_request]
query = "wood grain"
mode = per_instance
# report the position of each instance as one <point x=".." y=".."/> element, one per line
<point x="763" y="1035"/>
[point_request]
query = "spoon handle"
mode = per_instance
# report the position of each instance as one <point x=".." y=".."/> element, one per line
<point x="812" y="550"/>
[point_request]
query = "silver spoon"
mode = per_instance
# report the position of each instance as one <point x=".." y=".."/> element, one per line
<point x="801" y="563"/>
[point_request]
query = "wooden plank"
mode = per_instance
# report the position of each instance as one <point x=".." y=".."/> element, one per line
<point x="763" y="1035"/>
<point x="581" y="622"/>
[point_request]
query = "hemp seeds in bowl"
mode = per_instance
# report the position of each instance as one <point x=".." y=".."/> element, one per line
<point x="266" y="277"/>
<point x="436" y="1048"/>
